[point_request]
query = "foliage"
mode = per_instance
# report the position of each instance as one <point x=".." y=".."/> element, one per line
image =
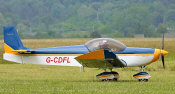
<point x="161" y="28"/>
<point x="125" y="17"/>
<point x="95" y="34"/>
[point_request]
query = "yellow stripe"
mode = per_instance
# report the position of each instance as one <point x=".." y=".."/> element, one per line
<point x="20" y="51"/>
<point x="134" y="54"/>
<point x="105" y="76"/>
<point x="82" y="54"/>
<point x="142" y="76"/>
<point x="9" y="50"/>
<point x="116" y="74"/>
<point x="71" y="54"/>
<point x="50" y="54"/>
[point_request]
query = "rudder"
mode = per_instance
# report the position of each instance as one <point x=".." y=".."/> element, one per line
<point x="11" y="39"/>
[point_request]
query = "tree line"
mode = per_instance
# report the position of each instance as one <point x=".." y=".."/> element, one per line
<point x="88" y="18"/>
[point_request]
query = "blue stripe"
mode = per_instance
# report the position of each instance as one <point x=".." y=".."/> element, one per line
<point x="77" y="49"/>
<point x="141" y="73"/>
<point x="133" y="50"/>
<point x="81" y="49"/>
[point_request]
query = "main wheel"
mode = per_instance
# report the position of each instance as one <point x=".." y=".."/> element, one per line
<point x="146" y="80"/>
<point x="105" y="80"/>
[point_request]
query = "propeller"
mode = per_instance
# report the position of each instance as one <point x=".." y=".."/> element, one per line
<point x="162" y="56"/>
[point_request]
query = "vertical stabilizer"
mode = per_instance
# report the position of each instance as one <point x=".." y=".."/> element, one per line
<point x="12" y="42"/>
<point x="11" y="39"/>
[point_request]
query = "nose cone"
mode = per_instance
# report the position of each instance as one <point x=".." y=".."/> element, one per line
<point x="163" y="52"/>
<point x="157" y="54"/>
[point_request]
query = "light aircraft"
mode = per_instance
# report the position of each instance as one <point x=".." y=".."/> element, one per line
<point x="103" y="53"/>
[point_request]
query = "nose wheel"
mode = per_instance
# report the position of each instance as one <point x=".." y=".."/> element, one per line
<point x="142" y="76"/>
<point x="143" y="80"/>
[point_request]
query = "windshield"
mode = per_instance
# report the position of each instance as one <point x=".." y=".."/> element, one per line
<point x="104" y="43"/>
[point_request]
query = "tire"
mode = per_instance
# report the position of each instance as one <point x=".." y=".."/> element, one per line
<point x="146" y="80"/>
<point x="105" y="80"/>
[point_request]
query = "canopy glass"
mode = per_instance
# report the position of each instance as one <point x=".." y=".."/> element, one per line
<point x="104" y="43"/>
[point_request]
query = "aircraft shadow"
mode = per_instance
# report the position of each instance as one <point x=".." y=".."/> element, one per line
<point x="106" y="81"/>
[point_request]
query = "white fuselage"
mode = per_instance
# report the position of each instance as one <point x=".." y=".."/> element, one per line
<point x="68" y="60"/>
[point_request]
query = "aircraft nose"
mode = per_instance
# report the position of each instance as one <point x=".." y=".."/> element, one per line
<point x="163" y="52"/>
<point x="157" y="54"/>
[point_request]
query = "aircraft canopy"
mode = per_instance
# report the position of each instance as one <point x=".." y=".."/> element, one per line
<point x="104" y="43"/>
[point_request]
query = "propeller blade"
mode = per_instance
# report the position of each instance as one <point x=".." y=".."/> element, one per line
<point x="163" y="61"/>
<point x="163" y="41"/>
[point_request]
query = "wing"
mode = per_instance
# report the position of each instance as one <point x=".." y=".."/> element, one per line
<point x="100" y="59"/>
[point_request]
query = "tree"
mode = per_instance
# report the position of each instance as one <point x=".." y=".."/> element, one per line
<point x="85" y="11"/>
<point x="158" y="19"/>
<point x="126" y="17"/>
<point x="133" y="20"/>
<point x="52" y="34"/>
<point x="162" y="28"/>
<point x="170" y="15"/>
<point x="95" y="34"/>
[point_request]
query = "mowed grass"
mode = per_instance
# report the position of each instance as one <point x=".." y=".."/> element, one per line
<point x="42" y="79"/>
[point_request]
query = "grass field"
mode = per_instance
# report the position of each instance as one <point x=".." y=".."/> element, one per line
<point x="40" y="79"/>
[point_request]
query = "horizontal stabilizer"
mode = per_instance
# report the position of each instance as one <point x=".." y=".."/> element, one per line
<point x="21" y="51"/>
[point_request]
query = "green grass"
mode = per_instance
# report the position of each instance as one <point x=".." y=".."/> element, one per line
<point x="40" y="79"/>
<point x="17" y="78"/>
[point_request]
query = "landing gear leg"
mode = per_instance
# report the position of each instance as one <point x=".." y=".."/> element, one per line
<point x="116" y="75"/>
<point x="142" y="68"/>
<point x="105" y="69"/>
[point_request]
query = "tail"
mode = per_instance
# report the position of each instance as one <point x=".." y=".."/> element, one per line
<point x="12" y="45"/>
<point x="11" y="39"/>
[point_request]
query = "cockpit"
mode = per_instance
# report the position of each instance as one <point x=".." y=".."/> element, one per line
<point x="105" y="44"/>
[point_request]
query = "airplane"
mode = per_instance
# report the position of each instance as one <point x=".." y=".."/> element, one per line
<point x="102" y="53"/>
